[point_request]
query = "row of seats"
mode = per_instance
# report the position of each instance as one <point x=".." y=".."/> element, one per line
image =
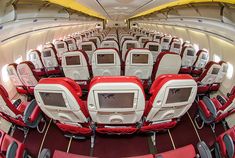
<point x="107" y="62"/>
<point x="112" y="106"/>
<point x="214" y="110"/>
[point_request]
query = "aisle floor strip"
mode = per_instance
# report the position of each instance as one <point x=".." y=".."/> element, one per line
<point x="44" y="137"/>
<point x="195" y="129"/>
<point x="69" y="145"/>
<point x="172" y="141"/>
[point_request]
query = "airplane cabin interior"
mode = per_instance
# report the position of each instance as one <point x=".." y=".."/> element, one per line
<point x="117" y="78"/>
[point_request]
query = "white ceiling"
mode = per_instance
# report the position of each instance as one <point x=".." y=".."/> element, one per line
<point x="121" y="9"/>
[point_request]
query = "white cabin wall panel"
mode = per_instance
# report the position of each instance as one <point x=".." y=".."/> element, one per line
<point x="170" y="30"/>
<point x="182" y="33"/>
<point x="199" y="38"/>
<point x="215" y="48"/>
<point x="50" y="35"/>
<point x="36" y="39"/>
<point x="228" y="51"/>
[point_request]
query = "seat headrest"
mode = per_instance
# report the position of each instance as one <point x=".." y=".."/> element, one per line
<point x="63" y="81"/>
<point x="162" y="79"/>
<point x="115" y="79"/>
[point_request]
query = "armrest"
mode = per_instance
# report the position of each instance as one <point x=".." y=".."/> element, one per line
<point x="12" y="150"/>
<point x="31" y="112"/>
<point x="221" y="99"/>
<point x="228" y="141"/>
<point x="217" y="151"/>
<point x="17" y="102"/>
<point x="207" y="107"/>
<point x="203" y="150"/>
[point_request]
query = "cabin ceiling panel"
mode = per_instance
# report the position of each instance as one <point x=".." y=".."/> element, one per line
<point x="121" y="9"/>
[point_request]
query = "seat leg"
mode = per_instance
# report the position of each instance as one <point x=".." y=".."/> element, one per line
<point x="26" y="131"/>
<point x="153" y="138"/>
<point x="196" y="123"/>
<point x="93" y="141"/>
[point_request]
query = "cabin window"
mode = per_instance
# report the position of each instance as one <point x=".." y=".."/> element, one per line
<point x="216" y="58"/>
<point x="230" y="71"/>
<point x="5" y="77"/>
<point x="19" y="60"/>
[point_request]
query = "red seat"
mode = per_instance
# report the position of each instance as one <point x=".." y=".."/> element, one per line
<point x="35" y="57"/>
<point x="224" y="146"/>
<point x="15" y="79"/>
<point x="28" y="76"/>
<point x="166" y="63"/>
<point x="208" y="77"/>
<point x="115" y="108"/>
<point x="10" y="147"/>
<point x="171" y="97"/>
<point x="200" y="62"/>
<point x="212" y="110"/>
<point x="68" y="110"/>
<point x="50" y="61"/>
<point x="19" y="113"/>
<point x="220" y="77"/>
<point x="188" y="56"/>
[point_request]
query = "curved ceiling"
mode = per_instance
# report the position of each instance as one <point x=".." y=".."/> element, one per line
<point x="124" y="9"/>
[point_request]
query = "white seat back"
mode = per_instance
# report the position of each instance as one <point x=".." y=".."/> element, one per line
<point x="61" y="47"/>
<point x="143" y="40"/>
<point x="139" y="63"/>
<point x="109" y="44"/>
<point x="155" y="49"/>
<point x="157" y="37"/>
<point x="222" y="73"/>
<point x="210" y="73"/>
<point x="202" y="59"/>
<point x="129" y="44"/>
<point x="165" y="43"/>
<point x="106" y="62"/>
<point x="167" y="63"/>
<point x="75" y="65"/>
<point x="111" y="37"/>
<point x="35" y="57"/>
<point x="111" y="102"/>
<point x="89" y="47"/>
<point x="59" y="103"/>
<point x="175" y="46"/>
<point x="26" y="74"/>
<point x="171" y="97"/>
<point x="78" y="38"/>
<point x="137" y="36"/>
<point x="13" y="75"/>
<point x="125" y="38"/>
<point x="49" y="58"/>
<point x="71" y="44"/>
<point x="96" y="40"/>
<point x="188" y="55"/>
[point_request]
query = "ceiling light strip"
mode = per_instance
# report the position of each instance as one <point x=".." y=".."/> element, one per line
<point x="72" y="4"/>
<point x="179" y="2"/>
